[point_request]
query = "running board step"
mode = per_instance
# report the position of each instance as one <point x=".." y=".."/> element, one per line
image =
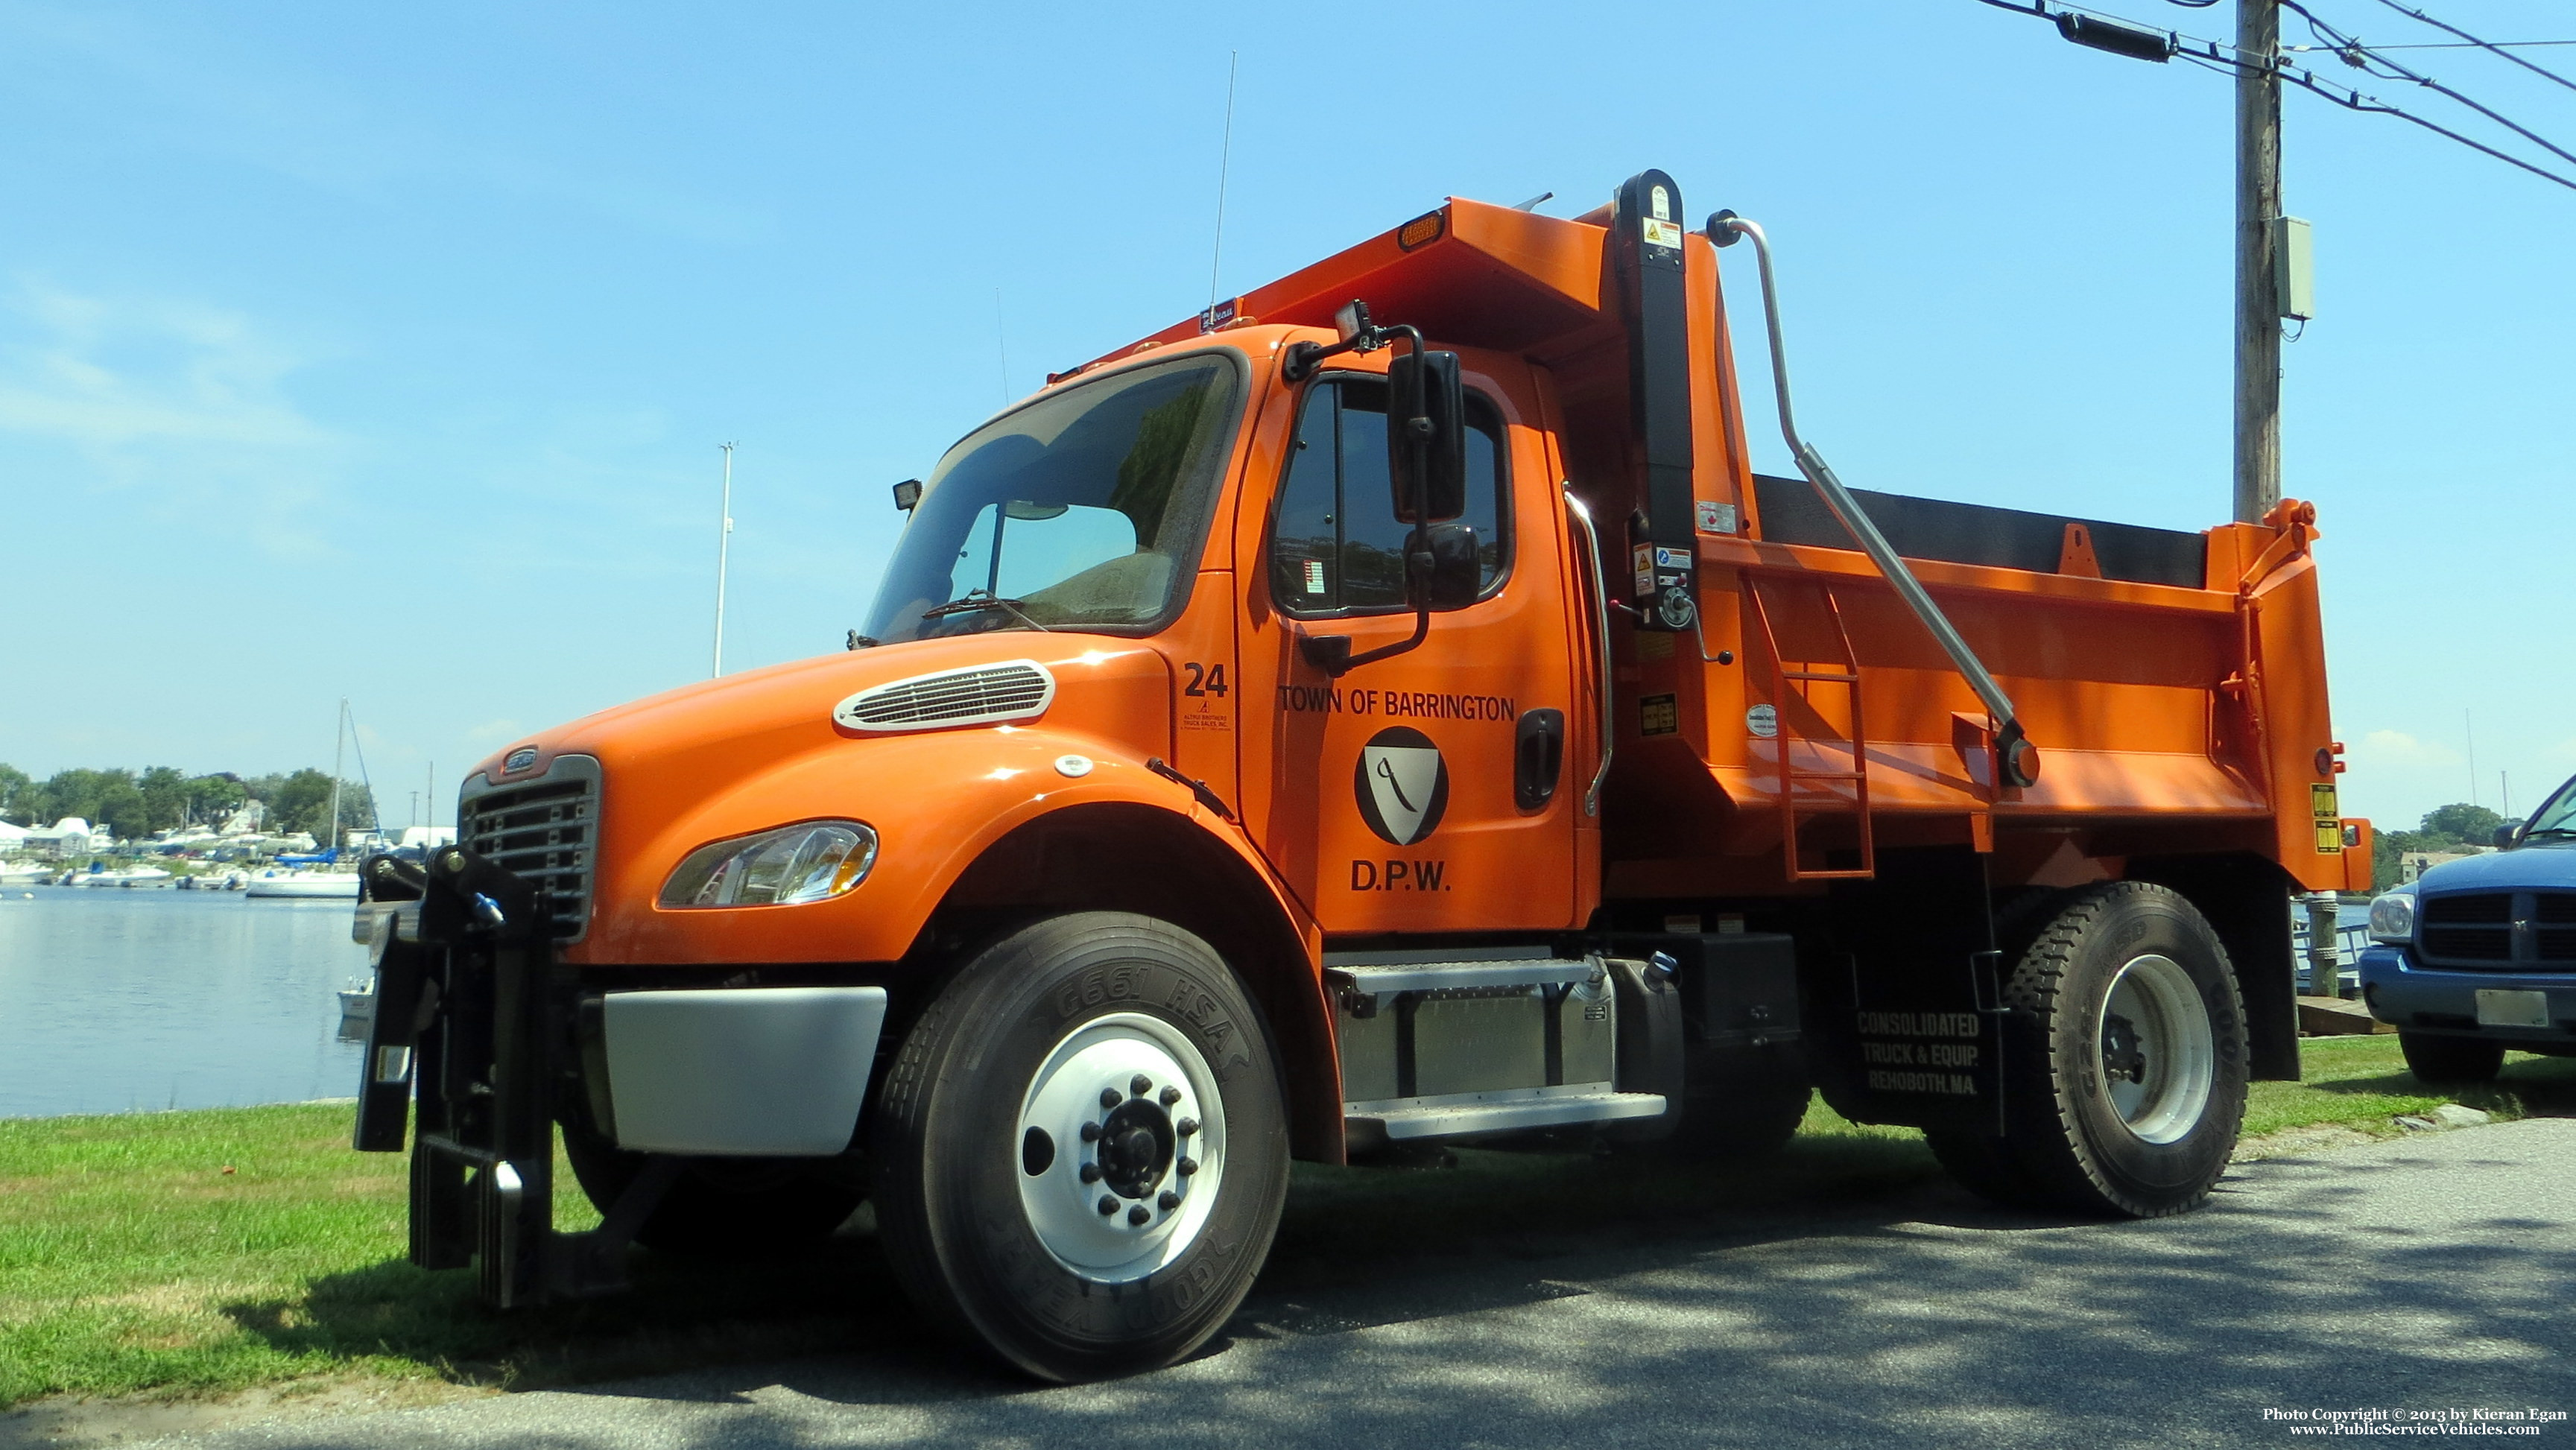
<point x="1461" y="1115"/>
<point x="1443" y="972"/>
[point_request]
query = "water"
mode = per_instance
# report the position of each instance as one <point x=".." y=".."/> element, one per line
<point x="114" y="1001"/>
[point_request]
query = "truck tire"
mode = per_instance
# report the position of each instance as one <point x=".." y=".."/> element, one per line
<point x="1739" y="1107"/>
<point x="1984" y="1166"/>
<point x="720" y="1208"/>
<point x="2125" y="1061"/>
<point x="1081" y="1149"/>
<point x="2450" y="1059"/>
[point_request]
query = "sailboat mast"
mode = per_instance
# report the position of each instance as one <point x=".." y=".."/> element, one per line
<point x="339" y="740"/>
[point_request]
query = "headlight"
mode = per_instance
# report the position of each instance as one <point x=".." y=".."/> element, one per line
<point x="2392" y="918"/>
<point x="811" y="861"/>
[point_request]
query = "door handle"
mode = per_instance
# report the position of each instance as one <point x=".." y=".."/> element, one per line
<point x="1538" y="757"/>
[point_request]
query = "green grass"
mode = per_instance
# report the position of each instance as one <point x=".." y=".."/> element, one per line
<point x="130" y="1261"/>
<point x="2362" y="1083"/>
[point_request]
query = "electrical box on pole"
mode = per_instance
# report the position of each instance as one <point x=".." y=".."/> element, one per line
<point x="2294" y="287"/>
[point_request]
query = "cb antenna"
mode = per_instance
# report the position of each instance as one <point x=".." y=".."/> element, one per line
<point x="1224" y="159"/>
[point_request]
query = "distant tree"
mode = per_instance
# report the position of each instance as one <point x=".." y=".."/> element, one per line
<point x="165" y="797"/>
<point x="101" y="797"/>
<point x="302" y="802"/>
<point x="14" y="787"/>
<point x="2472" y="825"/>
<point x="211" y="797"/>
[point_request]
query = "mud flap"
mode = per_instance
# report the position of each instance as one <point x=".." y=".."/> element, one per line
<point x="1905" y="1020"/>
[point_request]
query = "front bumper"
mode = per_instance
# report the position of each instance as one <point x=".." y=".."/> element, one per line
<point x="493" y="1041"/>
<point x="2445" y="1002"/>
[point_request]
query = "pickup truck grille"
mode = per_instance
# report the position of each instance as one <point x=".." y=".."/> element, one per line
<point x="2499" y="931"/>
<point x="544" y="830"/>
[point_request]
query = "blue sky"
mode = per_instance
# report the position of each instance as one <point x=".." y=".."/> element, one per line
<point x="378" y="352"/>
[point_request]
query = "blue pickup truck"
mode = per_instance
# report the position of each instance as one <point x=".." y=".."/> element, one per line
<point x="2479" y="955"/>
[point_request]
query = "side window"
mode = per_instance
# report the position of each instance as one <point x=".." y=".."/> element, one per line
<point x="1336" y="545"/>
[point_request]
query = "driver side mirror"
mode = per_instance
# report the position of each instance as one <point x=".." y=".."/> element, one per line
<point x="1426" y="451"/>
<point x="2505" y="835"/>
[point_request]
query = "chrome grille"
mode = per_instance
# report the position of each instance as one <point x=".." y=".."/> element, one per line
<point x="543" y="830"/>
<point x="984" y="694"/>
<point x="2530" y="931"/>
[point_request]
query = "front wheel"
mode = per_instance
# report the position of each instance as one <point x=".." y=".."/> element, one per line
<point x="2450" y="1059"/>
<point x="1081" y="1150"/>
<point x="720" y="1208"/>
<point x="2125" y="1061"/>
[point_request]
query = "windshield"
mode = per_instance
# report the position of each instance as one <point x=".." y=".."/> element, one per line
<point x="1084" y="510"/>
<point x="2557" y="815"/>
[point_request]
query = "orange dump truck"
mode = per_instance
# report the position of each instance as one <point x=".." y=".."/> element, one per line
<point x="1383" y="712"/>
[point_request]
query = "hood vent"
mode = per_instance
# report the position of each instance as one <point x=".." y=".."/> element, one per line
<point x="983" y="695"/>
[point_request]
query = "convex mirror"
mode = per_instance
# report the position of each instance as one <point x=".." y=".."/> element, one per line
<point x="1456" y="570"/>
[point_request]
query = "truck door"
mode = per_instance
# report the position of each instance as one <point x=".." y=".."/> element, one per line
<point x="1438" y="790"/>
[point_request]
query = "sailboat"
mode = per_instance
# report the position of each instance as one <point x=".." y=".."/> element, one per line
<point x="319" y="876"/>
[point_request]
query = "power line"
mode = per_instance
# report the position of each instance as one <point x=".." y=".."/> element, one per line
<point x="2218" y="56"/>
<point x="2465" y="37"/>
<point x="2357" y="55"/>
<point x="2455" y="45"/>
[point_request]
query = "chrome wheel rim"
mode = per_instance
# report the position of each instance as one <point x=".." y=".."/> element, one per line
<point x="2154" y="1049"/>
<point x="1120" y="1148"/>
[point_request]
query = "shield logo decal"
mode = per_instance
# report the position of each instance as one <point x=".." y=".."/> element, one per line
<point x="1402" y="785"/>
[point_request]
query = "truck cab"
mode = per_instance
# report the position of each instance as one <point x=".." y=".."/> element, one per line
<point x="2478" y="955"/>
<point x="1384" y="711"/>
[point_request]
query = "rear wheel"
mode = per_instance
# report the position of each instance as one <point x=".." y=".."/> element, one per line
<point x="2450" y="1059"/>
<point x="1081" y="1150"/>
<point x="2125" y="1061"/>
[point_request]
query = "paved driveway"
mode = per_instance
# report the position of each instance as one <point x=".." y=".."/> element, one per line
<point x="2429" y="1273"/>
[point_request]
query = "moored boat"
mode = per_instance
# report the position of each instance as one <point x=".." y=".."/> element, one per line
<point x="304" y="885"/>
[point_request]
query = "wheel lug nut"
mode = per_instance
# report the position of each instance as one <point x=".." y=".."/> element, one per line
<point x="1186" y="1167"/>
<point x="1091" y="1132"/>
<point x="1171" y="1095"/>
<point x="1186" y="1126"/>
<point x="1091" y="1173"/>
<point x="1140" y="1084"/>
<point x="1138" y="1215"/>
<point x="1109" y="1097"/>
<point x="1108" y="1205"/>
<point x="1168" y="1201"/>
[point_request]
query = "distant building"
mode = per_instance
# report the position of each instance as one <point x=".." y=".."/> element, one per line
<point x="70" y="836"/>
<point x="2416" y="863"/>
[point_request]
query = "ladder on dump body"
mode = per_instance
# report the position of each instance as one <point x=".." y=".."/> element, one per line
<point x="1790" y="777"/>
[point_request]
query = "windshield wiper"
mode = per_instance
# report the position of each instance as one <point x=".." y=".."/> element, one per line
<point x="977" y="599"/>
<point x="2550" y="831"/>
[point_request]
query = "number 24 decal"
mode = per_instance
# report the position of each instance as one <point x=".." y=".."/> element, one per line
<point x="1204" y="680"/>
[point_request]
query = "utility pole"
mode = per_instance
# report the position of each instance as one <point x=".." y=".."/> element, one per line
<point x="724" y="546"/>
<point x="2258" y="308"/>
